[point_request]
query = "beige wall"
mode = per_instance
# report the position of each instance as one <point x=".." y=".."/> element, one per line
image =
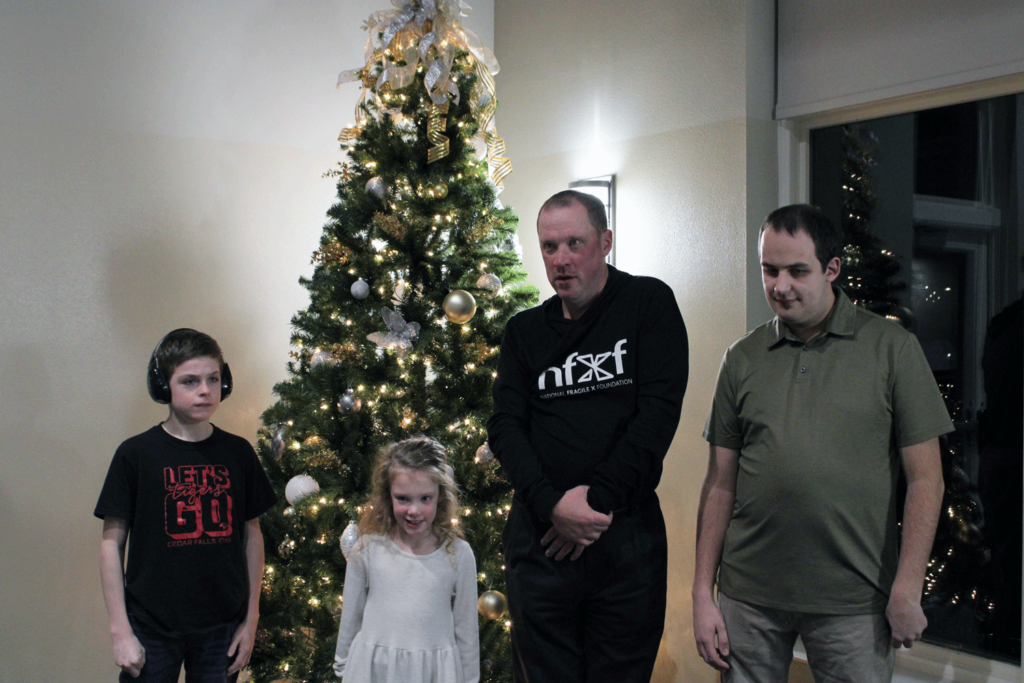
<point x="836" y="55"/>
<point x="672" y="97"/>
<point x="161" y="166"/>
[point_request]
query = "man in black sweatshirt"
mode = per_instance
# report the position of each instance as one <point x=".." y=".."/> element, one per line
<point x="587" y="400"/>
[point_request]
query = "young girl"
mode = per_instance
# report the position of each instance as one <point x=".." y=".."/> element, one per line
<point x="409" y="614"/>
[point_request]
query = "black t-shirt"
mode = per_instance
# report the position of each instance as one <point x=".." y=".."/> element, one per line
<point x="186" y="504"/>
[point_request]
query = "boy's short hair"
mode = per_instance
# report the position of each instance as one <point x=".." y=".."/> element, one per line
<point x="184" y="344"/>
<point x="827" y="238"/>
<point x="177" y="347"/>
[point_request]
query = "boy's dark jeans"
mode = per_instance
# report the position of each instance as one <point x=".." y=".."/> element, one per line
<point x="204" y="654"/>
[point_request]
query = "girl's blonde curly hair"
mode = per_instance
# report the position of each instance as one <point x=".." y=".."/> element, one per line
<point x="419" y="454"/>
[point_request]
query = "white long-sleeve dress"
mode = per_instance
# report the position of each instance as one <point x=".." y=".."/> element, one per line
<point x="408" y="618"/>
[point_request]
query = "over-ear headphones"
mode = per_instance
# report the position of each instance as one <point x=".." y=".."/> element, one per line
<point x="159" y="384"/>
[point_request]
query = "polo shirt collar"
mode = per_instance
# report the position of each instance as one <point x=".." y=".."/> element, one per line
<point x="841" y="323"/>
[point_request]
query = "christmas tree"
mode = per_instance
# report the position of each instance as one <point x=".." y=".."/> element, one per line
<point x="954" y="577"/>
<point x="414" y="280"/>
<point x="869" y="271"/>
<point x="956" y="570"/>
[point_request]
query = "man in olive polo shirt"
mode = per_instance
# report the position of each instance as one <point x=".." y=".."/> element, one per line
<point x="813" y="416"/>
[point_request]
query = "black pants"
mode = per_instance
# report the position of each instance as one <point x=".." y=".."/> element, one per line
<point x="597" y="619"/>
<point x="204" y="654"/>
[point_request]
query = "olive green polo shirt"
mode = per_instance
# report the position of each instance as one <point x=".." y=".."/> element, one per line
<point x="818" y="426"/>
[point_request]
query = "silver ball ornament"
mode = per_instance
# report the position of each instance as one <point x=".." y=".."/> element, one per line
<point x="349" y="403"/>
<point x="360" y="289"/>
<point x="319" y="358"/>
<point x="277" y="443"/>
<point x="289" y="511"/>
<point x="348" y="538"/>
<point x="484" y="453"/>
<point x="376" y="187"/>
<point x="489" y="281"/>
<point x="459" y="306"/>
<point x="299" y="487"/>
<point x="492" y="605"/>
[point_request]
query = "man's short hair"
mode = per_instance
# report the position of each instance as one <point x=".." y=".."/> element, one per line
<point x="183" y="345"/>
<point x="595" y="208"/>
<point x="827" y="238"/>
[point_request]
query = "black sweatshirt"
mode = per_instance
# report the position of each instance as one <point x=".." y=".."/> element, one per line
<point x="592" y="401"/>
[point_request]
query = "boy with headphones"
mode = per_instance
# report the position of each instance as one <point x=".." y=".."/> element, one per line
<point x="189" y="495"/>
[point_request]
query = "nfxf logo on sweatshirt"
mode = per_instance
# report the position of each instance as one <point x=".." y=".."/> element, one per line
<point x="584" y="369"/>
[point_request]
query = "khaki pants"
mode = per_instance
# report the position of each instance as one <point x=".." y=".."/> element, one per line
<point x="841" y="648"/>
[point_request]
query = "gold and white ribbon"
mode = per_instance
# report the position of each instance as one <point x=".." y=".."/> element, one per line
<point x="429" y="32"/>
<point x="436" y="123"/>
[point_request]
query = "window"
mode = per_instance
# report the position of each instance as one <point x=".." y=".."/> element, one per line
<point x="942" y="192"/>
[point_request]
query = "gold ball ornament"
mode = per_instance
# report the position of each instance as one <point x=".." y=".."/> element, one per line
<point x="968" y="533"/>
<point x="492" y="605"/>
<point x="459" y="306"/>
<point x="440" y="190"/>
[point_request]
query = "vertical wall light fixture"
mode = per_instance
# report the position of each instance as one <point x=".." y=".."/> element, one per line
<point x="602" y="187"/>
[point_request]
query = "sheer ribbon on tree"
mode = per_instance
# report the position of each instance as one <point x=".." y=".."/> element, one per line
<point x="429" y="32"/>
